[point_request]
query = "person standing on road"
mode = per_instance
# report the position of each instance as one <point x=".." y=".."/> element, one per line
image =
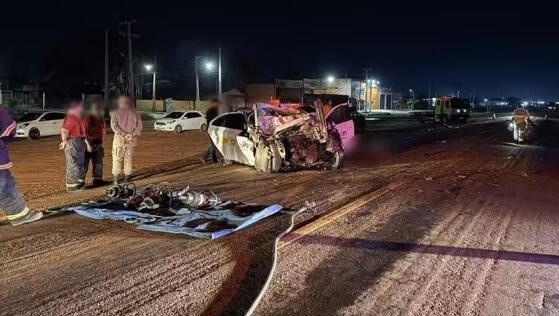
<point x="211" y="113"/>
<point x="12" y="204"/>
<point x="520" y="121"/>
<point x="95" y="131"/>
<point x="127" y="126"/>
<point x="74" y="146"/>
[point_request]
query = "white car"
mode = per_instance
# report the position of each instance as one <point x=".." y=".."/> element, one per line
<point x="38" y="124"/>
<point x="179" y="121"/>
<point x="273" y="138"/>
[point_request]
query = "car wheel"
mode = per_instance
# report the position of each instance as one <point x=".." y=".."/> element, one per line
<point x="204" y="127"/>
<point x="267" y="158"/>
<point x="178" y="129"/>
<point x="337" y="160"/>
<point x="34" y="133"/>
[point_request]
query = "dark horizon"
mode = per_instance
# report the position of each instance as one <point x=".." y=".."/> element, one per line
<point x="488" y="50"/>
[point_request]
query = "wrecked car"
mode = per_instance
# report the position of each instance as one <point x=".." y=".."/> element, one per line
<point x="273" y="138"/>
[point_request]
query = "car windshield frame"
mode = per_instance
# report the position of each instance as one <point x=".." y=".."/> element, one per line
<point x="171" y="115"/>
<point x="29" y="117"/>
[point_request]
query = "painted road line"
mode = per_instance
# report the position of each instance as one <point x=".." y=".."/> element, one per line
<point x="325" y="219"/>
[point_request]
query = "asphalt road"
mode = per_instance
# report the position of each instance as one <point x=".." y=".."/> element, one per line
<point x="471" y="229"/>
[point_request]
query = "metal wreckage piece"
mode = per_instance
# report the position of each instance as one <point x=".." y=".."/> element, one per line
<point x="201" y="214"/>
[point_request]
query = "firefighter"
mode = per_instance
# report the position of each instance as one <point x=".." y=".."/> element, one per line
<point x="74" y="146"/>
<point x="211" y="113"/>
<point x="520" y="121"/>
<point x="95" y="131"/>
<point x="127" y="126"/>
<point x="12" y="204"/>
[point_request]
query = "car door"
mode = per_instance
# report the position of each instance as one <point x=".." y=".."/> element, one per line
<point x="52" y="123"/>
<point x="191" y="120"/>
<point x="345" y="126"/>
<point x="197" y="120"/>
<point x="228" y="132"/>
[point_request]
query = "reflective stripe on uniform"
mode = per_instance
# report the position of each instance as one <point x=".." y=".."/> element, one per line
<point x="18" y="215"/>
<point x="6" y="166"/>
<point x="73" y="185"/>
<point x="9" y="130"/>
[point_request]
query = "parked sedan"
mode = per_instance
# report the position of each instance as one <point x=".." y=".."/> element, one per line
<point x="38" y="124"/>
<point x="179" y="121"/>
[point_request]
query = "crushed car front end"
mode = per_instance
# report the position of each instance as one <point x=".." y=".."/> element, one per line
<point x="295" y="141"/>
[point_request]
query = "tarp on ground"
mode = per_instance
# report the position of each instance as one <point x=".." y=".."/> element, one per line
<point x="208" y="223"/>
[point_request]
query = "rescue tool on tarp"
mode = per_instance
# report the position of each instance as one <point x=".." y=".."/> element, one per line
<point x="201" y="214"/>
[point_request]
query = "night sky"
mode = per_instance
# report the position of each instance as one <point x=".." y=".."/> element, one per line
<point x="475" y="47"/>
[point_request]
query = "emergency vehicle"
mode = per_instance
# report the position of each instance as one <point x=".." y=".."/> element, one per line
<point x="451" y="108"/>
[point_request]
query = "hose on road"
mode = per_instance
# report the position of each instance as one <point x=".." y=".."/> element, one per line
<point x="274" y="263"/>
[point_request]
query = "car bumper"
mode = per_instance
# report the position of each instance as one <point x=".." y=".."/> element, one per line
<point x="22" y="133"/>
<point x="167" y="128"/>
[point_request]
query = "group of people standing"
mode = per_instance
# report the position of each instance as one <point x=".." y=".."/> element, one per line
<point x="82" y="142"/>
<point x="82" y="135"/>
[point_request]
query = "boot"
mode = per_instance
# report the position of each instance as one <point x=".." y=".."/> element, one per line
<point x="31" y="216"/>
<point x="116" y="179"/>
<point x="98" y="183"/>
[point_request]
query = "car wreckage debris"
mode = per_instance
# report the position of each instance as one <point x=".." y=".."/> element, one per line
<point x="160" y="208"/>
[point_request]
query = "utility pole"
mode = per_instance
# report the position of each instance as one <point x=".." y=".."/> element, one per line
<point x="367" y="105"/>
<point x="129" y="36"/>
<point x="106" y="85"/>
<point x="197" y="79"/>
<point x="154" y="81"/>
<point x="220" y="91"/>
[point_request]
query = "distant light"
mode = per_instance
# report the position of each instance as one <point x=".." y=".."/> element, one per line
<point x="330" y="79"/>
<point x="148" y="67"/>
<point x="378" y="82"/>
<point x="485" y="100"/>
<point x="209" y="65"/>
<point x="369" y="80"/>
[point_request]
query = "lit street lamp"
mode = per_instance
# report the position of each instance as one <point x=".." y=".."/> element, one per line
<point x="330" y="79"/>
<point x="209" y="67"/>
<point x="149" y="68"/>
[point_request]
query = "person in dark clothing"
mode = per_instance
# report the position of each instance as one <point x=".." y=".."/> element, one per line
<point x="211" y="113"/>
<point x="12" y="205"/>
<point x="95" y="131"/>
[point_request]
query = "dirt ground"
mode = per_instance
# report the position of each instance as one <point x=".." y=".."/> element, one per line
<point x="471" y="231"/>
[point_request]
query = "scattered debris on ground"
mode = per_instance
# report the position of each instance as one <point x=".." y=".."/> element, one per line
<point x="201" y="214"/>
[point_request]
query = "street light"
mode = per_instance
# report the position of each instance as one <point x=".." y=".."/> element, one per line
<point x="209" y="65"/>
<point x="149" y="68"/>
<point x="330" y="79"/>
